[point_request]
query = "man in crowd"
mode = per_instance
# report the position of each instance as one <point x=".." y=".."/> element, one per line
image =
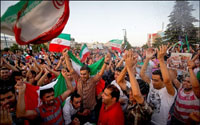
<point x="71" y="107"/>
<point x="111" y="112"/>
<point x="8" y="104"/>
<point x="138" y="111"/>
<point x="187" y="100"/>
<point x="162" y="93"/>
<point x="86" y="85"/>
<point x="50" y="112"/>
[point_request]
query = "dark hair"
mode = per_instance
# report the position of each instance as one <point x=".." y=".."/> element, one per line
<point x="33" y="72"/>
<point x="42" y="61"/>
<point x="74" y="95"/>
<point x="6" y="89"/>
<point x="4" y="68"/>
<point x="114" y="91"/>
<point x="49" y="75"/>
<point x="16" y="73"/>
<point x="144" y="87"/>
<point x="158" y="72"/>
<point x="85" y="67"/>
<point x="43" y="92"/>
<point x="119" y="69"/>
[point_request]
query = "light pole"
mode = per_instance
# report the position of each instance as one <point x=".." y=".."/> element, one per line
<point x="125" y="39"/>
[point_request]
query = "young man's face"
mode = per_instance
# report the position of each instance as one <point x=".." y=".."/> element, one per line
<point x="186" y="83"/>
<point x="5" y="74"/>
<point x="116" y="74"/>
<point x="76" y="102"/>
<point x="106" y="97"/>
<point x="84" y="75"/>
<point x="48" y="99"/>
<point x="157" y="82"/>
<point x="8" y="100"/>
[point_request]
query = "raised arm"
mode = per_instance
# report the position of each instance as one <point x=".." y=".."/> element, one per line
<point x="165" y="73"/>
<point x="69" y="65"/>
<point x="149" y="55"/>
<point x="69" y="85"/>
<point x="130" y="62"/>
<point x="8" y="65"/>
<point x="21" y="112"/>
<point x="122" y="75"/>
<point x="106" y="63"/>
<point x="41" y="81"/>
<point x="193" y="79"/>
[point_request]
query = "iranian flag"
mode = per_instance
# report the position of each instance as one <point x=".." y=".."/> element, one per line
<point x="84" y="53"/>
<point x="34" y="22"/>
<point x="60" y="43"/>
<point x="27" y="56"/>
<point x="34" y="92"/>
<point x="116" y="44"/>
<point x="94" y="69"/>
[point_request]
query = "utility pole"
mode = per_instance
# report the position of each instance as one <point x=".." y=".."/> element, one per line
<point x="125" y="38"/>
<point x="5" y="41"/>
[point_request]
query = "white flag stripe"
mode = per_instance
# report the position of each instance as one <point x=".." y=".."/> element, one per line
<point x="62" y="41"/>
<point x="34" y="30"/>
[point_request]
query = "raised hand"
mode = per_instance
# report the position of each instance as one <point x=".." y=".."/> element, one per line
<point x="64" y="72"/>
<point x="5" y="116"/>
<point x="150" y="54"/>
<point x="130" y="59"/>
<point x="190" y="64"/>
<point x="107" y="58"/>
<point x="65" y="52"/>
<point x="162" y="51"/>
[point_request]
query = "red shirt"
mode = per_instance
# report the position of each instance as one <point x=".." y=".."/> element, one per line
<point x="111" y="116"/>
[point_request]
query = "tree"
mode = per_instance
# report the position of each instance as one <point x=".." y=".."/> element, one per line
<point x="181" y="23"/>
<point x="127" y="45"/>
<point x="15" y="47"/>
<point x="158" y="42"/>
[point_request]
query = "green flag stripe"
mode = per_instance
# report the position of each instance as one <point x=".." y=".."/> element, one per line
<point x="94" y="68"/>
<point x="10" y="15"/>
<point x="116" y="41"/>
<point x="65" y="36"/>
<point x="60" y="87"/>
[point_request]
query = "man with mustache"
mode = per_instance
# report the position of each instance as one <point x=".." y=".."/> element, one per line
<point x="50" y="112"/>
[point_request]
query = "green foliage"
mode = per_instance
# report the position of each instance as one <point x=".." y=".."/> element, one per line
<point x="158" y="42"/>
<point x="15" y="47"/>
<point x="128" y="45"/>
<point x="181" y="23"/>
<point x="145" y="46"/>
<point x="38" y="47"/>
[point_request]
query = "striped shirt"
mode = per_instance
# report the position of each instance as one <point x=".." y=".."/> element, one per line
<point x="52" y="116"/>
<point x="185" y="104"/>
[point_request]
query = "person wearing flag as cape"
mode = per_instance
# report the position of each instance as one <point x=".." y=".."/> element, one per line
<point x="50" y="112"/>
<point x="86" y="85"/>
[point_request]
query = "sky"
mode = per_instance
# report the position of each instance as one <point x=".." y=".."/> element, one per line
<point x="101" y="21"/>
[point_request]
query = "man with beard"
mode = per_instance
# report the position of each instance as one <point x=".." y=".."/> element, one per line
<point x="50" y="112"/>
<point x="187" y="100"/>
<point x="8" y="106"/>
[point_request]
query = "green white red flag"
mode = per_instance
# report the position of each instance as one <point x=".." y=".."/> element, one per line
<point x="60" y="43"/>
<point x="116" y="44"/>
<point x="84" y="53"/>
<point x="35" y="22"/>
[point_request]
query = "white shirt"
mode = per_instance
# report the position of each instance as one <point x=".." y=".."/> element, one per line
<point x="68" y="111"/>
<point x="162" y="102"/>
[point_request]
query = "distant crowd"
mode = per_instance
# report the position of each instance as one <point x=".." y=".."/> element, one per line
<point x="133" y="87"/>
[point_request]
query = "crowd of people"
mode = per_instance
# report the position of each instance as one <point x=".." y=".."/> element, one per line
<point x="139" y="88"/>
